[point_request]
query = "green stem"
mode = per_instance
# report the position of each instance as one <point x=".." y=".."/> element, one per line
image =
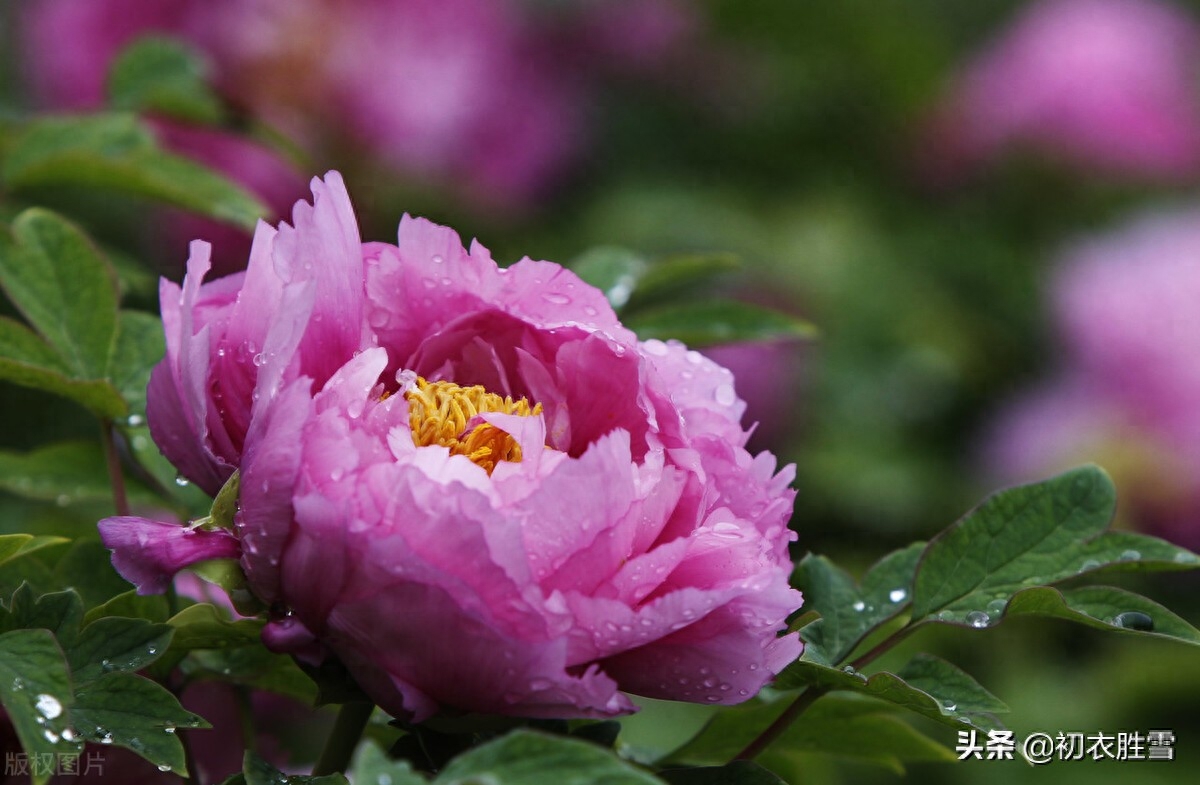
<point x="810" y="696"/>
<point x="115" y="477"/>
<point x="347" y="730"/>
<point x="781" y="723"/>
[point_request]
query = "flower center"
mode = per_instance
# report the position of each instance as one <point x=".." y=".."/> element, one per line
<point x="441" y="413"/>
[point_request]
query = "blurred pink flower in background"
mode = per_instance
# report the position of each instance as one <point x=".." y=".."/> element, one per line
<point x="1102" y="86"/>
<point x="487" y="99"/>
<point x="559" y="513"/>
<point x="1128" y="396"/>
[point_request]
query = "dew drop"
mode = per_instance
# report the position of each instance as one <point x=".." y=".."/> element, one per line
<point x="725" y="395"/>
<point x="1134" y="620"/>
<point x="948" y="706"/>
<point x="169" y="730"/>
<point x="859" y="606"/>
<point x="48" y="706"/>
<point x="897" y="595"/>
<point x="996" y="607"/>
<point x="105" y="736"/>
<point x="69" y="734"/>
<point x="556" y="299"/>
<point x="50" y="735"/>
<point x="1185" y="557"/>
<point x="1130" y="555"/>
<point x="134" y="420"/>
<point x="164" y="767"/>
<point x="850" y="670"/>
<point x="152" y="650"/>
<point x="438" y="259"/>
<point x="182" y="481"/>
<point x="1089" y="564"/>
<point x="260" y="360"/>
<point x="655" y="347"/>
<point x="978" y="619"/>
<point x="384" y="779"/>
<point x="589" y="310"/>
<point x="62" y="500"/>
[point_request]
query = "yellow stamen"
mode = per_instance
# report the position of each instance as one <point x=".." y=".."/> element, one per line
<point x="438" y="413"/>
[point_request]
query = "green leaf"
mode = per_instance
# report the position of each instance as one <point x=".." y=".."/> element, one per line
<point x="65" y="472"/>
<point x="116" y="152"/>
<point x="958" y="702"/>
<point x="87" y="568"/>
<point x="373" y="766"/>
<point x="35" y="689"/>
<point x="613" y="270"/>
<point x="162" y="76"/>
<point x="257" y="771"/>
<point x="130" y="604"/>
<point x="848" y="612"/>
<point x="29" y="361"/>
<point x="846" y="727"/>
<point x="64" y="287"/>
<point x="706" y="323"/>
<point x="203" y="626"/>
<point x="739" y="772"/>
<point x="13" y="546"/>
<point x="59" y="612"/>
<point x="116" y="645"/>
<point x="136" y="713"/>
<point x="531" y="758"/>
<point x="1025" y="536"/>
<point x="670" y="276"/>
<point x="253" y="666"/>
<point x="140" y="345"/>
<point x="1103" y="607"/>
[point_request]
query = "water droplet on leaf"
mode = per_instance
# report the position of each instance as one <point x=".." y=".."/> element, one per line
<point x="1134" y="620"/>
<point x="897" y="595"/>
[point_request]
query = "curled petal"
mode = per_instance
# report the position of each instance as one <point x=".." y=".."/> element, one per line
<point x="148" y="553"/>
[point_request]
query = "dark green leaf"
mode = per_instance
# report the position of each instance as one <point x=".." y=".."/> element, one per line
<point x="87" y="568"/>
<point x="59" y="612"/>
<point x="116" y="152"/>
<point x="65" y="473"/>
<point x="35" y="689"/>
<point x="258" y="772"/>
<point x="253" y="666"/>
<point x="706" y="323"/>
<point x="372" y="766"/>
<point x="531" y="758"/>
<point x="1025" y="536"/>
<point x="116" y="644"/>
<point x="64" y="287"/>
<point x="739" y="772"/>
<point x="162" y="76"/>
<point x="27" y="360"/>
<point x="1103" y="607"/>
<point x="956" y="703"/>
<point x="671" y="276"/>
<point x="136" y="713"/>
<point x="948" y="682"/>
<point x="846" y="727"/>
<point x="152" y="607"/>
<point x="849" y="612"/>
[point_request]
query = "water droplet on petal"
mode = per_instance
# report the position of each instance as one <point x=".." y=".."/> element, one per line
<point x="978" y="619"/>
<point x="556" y="298"/>
<point x="438" y="259"/>
<point x="260" y="360"/>
<point x="725" y="395"/>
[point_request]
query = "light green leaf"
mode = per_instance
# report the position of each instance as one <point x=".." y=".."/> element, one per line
<point x="64" y="287"/>
<point x="1021" y="537"/>
<point x="87" y="568"/>
<point x="705" y="323"/>
<point x="532" y="758"/>
<point x="164" y="77"/>
<point x="1103" y="607"/>
<point x="65" y="472"/>
<point x="132" y="712"/>
<point x="35" y="689"/>
<point x="203" y="626"/>
<point x="116" y="152"/>
<point x="670" y="276"/>
<point x="373" y="766"/>
<point x="29" y="361"/>
<point x="613" y="270"/>
<point x="140" y="345"/>
<point x="13" y="546"/>
<point x="59" y="612"/>
<point x="849" y="612"/>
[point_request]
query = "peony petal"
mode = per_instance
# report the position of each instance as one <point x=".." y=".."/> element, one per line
<point x="148" y="553"/>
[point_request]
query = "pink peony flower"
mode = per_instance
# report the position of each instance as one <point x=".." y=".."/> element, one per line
<point x="1103" y="85"/>
<point x="472" y="484"/>
<point x="1125" y="303"/>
